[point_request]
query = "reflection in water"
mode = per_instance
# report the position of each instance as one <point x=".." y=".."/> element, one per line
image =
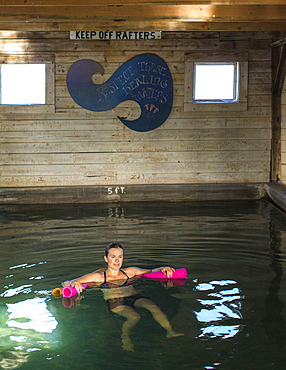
<point x="31" y="314"/>
<point x="220" y="305"/>
<point x="25" y="331"/>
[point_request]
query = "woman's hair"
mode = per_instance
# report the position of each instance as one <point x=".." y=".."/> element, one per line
<point x="112" y="245"/>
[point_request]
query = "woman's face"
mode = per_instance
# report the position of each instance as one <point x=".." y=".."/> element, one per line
<point x="114" y="258"/>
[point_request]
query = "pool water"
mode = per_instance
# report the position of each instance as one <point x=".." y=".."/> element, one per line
<point x="231" y="308"/>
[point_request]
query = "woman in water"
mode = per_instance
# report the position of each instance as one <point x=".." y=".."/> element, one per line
<point x="119" y="293"/>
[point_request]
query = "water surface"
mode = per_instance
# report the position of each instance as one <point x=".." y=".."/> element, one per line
<point x="231" y="309"/>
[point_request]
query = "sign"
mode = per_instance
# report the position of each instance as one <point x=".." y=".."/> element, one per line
<point x="145" y="79"/>
<point x="115" y="35"/>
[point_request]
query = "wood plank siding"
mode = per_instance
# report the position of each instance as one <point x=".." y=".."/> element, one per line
<point x="283" y="135"/>
<point x="64" y="144"/>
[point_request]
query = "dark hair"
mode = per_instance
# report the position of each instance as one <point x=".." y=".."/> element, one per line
<point x="112" y="245"/>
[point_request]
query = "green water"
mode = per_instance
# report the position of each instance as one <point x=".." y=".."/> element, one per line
<point x="231" y="309"/>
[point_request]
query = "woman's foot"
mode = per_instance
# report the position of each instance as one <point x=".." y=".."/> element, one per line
<point x="127" y="345"/>
<point x="172" y="334"/>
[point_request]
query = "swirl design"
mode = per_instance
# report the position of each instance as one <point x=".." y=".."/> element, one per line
<point x="145" y="79"/>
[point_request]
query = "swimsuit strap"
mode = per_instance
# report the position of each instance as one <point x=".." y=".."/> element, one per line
<point x="125" y="274"/>
<point x="104" y="272"/>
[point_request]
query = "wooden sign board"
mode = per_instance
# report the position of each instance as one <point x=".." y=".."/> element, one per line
<point x="115" y="35"/>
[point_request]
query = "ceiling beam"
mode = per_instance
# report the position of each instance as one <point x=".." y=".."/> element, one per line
<point x="183" y="13"/>
<point x="17" y="3"/>
<point x="172" y="17"/>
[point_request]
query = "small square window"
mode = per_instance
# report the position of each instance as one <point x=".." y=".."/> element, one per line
<point x="23" y="84"/>
<point x="215" y="82"/>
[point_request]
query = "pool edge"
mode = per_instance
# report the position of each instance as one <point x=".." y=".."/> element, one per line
<point x="138" y="193"/>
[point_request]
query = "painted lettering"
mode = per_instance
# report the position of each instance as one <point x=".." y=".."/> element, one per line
<point x="152" y="67"/>
<point x="116" y="190"/>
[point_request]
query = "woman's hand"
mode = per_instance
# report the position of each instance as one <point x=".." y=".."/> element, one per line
<point x="167" y="270"/>
<point x="73" y="283"/>
<point x="78" y="286"/>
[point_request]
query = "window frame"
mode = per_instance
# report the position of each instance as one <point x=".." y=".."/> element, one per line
<point x="207" y="58"/>
<point x="235" y="82"/>
<point x="49" y="106"/>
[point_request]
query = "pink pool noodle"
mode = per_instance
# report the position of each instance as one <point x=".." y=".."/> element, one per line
<point x="69" y="291"/>
<point x="177" y="274"/>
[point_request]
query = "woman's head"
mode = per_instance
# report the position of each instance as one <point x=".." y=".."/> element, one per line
<point x="114" y="255"/>
<point x="112" y="245"/>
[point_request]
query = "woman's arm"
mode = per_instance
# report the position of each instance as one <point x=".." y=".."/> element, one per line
<point x="93" y="277"/>
<point x="133" y="271"/>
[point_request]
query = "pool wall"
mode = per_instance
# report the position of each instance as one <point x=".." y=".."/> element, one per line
<point x="130" y="193"/>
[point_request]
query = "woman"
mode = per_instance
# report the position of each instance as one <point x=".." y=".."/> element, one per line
<point x="119" y="293"/>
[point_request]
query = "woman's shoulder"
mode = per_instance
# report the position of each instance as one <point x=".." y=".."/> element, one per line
<point x="133" y="271"/>
<point x="98" y="275"/>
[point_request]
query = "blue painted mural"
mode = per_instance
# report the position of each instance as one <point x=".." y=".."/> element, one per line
<point x="145" y="79"/>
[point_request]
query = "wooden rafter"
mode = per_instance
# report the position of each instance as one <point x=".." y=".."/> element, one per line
<point x="162" y="15"/>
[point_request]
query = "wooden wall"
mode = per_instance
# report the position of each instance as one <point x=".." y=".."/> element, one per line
<point x="283" y="135"/>
<point x="67" y="145"/>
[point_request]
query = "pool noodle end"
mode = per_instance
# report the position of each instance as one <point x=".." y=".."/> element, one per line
<point x="69" y="291"/>
<point x="57" y="292"/>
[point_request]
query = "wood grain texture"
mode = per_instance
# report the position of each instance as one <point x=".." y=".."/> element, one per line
<point x="218" y="15"/>
<point x="70" y="146"/>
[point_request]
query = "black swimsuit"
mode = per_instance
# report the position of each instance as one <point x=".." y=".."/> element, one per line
<point x="120" y="301"/>
<point x="106" y="285"/>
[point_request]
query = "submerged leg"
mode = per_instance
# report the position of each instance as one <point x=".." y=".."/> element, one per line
<point x="132" y="318"/>
<point x="158" y="315"/>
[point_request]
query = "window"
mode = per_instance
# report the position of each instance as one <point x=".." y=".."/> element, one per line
<point x="219" y="80"/>
<point x="215" y="82"/>
<point x="27" y="84"/>
<point x="23" y="84"/>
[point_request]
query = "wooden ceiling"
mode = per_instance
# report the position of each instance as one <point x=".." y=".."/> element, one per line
<point x="159" y="15"/>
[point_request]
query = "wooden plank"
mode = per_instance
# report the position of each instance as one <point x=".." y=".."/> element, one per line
<point x="261" y="89"/>
<point x="122" y="135"/>
<point x="259" y="101"/>
<point x="114" y="124"/>
<point x="257" y="78"/>
<point x="136" y="157"/>
<point x="214" y="13"/>
<point x="177" y="112"/>
<point x="259" y="66"/>
<point x="85" y="3"/>
<point x="137" y="146"/>
<point x="116" y="54"/>
<point x="171" y="26"/>
<point x="109" y="55"/>
<point x="135" y="178"/>
<point x="99" y="169"/>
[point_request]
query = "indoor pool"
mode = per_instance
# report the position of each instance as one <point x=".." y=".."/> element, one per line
<point x="231" y="309"/>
